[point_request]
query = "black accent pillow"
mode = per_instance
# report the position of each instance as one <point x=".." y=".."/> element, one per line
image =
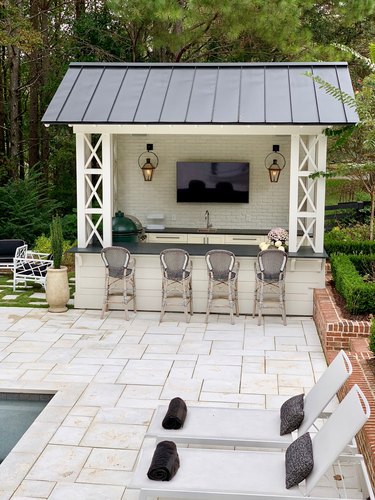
<point x="291" y="414"/>
<point x="299" y="460"/>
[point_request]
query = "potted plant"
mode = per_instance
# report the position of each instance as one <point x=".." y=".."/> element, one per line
<point x="57" y="287"/>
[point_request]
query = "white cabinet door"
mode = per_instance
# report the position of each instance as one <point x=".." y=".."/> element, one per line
<point x="244" y="239"/>
<point x="166" y="238"/>
<point x="215" y="239"/>
<point x="196" y="238"/>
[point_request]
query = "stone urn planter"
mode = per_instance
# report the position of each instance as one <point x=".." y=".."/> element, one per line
<point x="57" y="289"/>
<point x="57" y="286"/>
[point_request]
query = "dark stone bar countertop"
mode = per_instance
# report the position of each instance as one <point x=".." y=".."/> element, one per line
<point x="203" y="230"/>
<point x="199" y="249"/>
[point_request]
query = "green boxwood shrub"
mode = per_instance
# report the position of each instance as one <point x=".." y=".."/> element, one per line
<point x="43" y="244"/>
<point x="359" y="295"/>
<point x="333" y="244"/>
<point x="372" y="337"/>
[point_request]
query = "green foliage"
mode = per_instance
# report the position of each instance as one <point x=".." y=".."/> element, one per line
<point x="69" y="226"/>
<point x="334" y="91"/>
<point x="25" y="209"/>
<point x="57" y="241"/>
<point x="372" y="336"/>
<point x="43" y="244"/>
<point x="345" y="241"/>
<point x="359" y="296"/>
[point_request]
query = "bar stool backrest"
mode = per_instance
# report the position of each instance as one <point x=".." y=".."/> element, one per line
<point x="174" y="263"/>
<point x="272" y="263"/>
<point x="220" y="264"/>
<point x="116" y="260"/>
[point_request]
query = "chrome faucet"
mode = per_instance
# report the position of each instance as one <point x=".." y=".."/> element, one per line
<point x="207" y="219"/>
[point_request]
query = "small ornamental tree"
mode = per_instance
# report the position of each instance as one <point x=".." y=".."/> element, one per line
<point x="57" y="242"/>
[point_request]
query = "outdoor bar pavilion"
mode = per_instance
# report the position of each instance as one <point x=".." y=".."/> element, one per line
<point x="200" y="112"/>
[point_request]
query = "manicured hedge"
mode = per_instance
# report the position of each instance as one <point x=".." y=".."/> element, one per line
<point x="359" y="295"/>
<point x="372" y="336"/>
<point x="334" y="245"/>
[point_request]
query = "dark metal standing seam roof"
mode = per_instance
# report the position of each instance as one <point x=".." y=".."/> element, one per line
<point x="232" y="93"/>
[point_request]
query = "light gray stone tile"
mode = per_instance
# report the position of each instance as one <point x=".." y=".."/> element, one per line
<point x="101" y="395"/>
<point x="111" y="459"/>
<point x="59" y="463"/>
<point x="81" y="491"/>
<point x="122" y="436"/>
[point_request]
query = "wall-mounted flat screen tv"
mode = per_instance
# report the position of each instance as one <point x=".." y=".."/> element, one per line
<point x="213" y="182"/>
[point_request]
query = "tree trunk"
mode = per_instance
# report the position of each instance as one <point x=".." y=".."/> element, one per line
<point x="34" y="93"/>
<point x="80" y="8"/>
<point x="2" y="110"/>
<point x="14" y="112"/>
<point x="372" y="214"/>
<point x="44" y="71"/>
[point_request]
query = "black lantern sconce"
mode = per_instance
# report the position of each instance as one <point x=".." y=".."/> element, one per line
<point x="274" y="163"/>
<point x="148" y="166"/>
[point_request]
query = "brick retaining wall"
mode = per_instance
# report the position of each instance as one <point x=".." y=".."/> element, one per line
<point x="337" y="333"/>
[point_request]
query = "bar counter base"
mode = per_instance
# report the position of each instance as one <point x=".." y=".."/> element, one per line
<point x="305" y="271"/>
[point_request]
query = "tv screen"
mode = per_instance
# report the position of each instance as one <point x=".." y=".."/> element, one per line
<point x="213" y="182"/>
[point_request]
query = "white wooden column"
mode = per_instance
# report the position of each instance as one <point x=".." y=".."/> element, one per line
<point x="307" y="195"/>
<point x="293" y="192"/>
<point x="81" y="189"/>
<point x="94" y="188"/>
<point x="107" y="189"/>
<point x="320" y="193"/>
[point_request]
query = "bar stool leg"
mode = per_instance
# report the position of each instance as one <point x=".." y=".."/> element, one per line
<point x="125" y="299"/>
<point x="210" y="295"/>
<point x="282" y="302"/>
<point x="105" y="298"/>
<point x="236" y="299"/>
<point x="163" y="298"/>
<point x="134" y="294"/>
<point x="231" y="303"/>
<point x="260" y="302"/>
<point x="191" y="297"/>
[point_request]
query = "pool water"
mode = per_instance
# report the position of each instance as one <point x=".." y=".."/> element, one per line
<point x="16" y="416"/>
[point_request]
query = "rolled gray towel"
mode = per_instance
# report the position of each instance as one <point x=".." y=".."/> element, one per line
<point x="176" y="414"/>
<point x="165" y="462"/>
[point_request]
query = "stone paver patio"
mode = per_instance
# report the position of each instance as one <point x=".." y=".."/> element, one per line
<point x="109" y="375"/>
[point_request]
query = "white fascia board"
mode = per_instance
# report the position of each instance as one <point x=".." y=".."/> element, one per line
<point x="200" y="129"/>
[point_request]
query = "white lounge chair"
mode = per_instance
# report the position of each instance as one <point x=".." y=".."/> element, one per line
<point x="250" y="427"/>
<point x="208" y="473"/>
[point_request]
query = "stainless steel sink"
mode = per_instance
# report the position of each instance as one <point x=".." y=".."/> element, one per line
<point x="206" y="230"/>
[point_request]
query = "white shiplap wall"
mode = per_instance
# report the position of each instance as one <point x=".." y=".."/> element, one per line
<point x="269" y="203"/>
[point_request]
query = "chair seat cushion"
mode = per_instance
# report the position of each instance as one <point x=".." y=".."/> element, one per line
<point x="33" y="269"/>
<point x="177" y="275"/>
<point x="299" y="460"/>
<point x="291" y="414"/>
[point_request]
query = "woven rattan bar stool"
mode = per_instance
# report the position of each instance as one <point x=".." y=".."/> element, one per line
<point x="176" y="270"/>
<point x="222" y="280"/>
<point x="119" y="267"/>
<point x="270" y="271"/>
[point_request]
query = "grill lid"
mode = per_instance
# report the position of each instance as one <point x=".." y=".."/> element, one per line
<point x="122" y="224"/>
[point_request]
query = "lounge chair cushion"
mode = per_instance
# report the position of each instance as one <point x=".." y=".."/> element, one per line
<point x="291" y="414"/>
<point x="299" y="460"/>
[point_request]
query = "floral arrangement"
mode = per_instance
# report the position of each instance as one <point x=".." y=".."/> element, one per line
<point x="277" y="237"/>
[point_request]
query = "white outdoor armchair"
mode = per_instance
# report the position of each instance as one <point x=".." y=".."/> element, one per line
<point x="30" y="266"/>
